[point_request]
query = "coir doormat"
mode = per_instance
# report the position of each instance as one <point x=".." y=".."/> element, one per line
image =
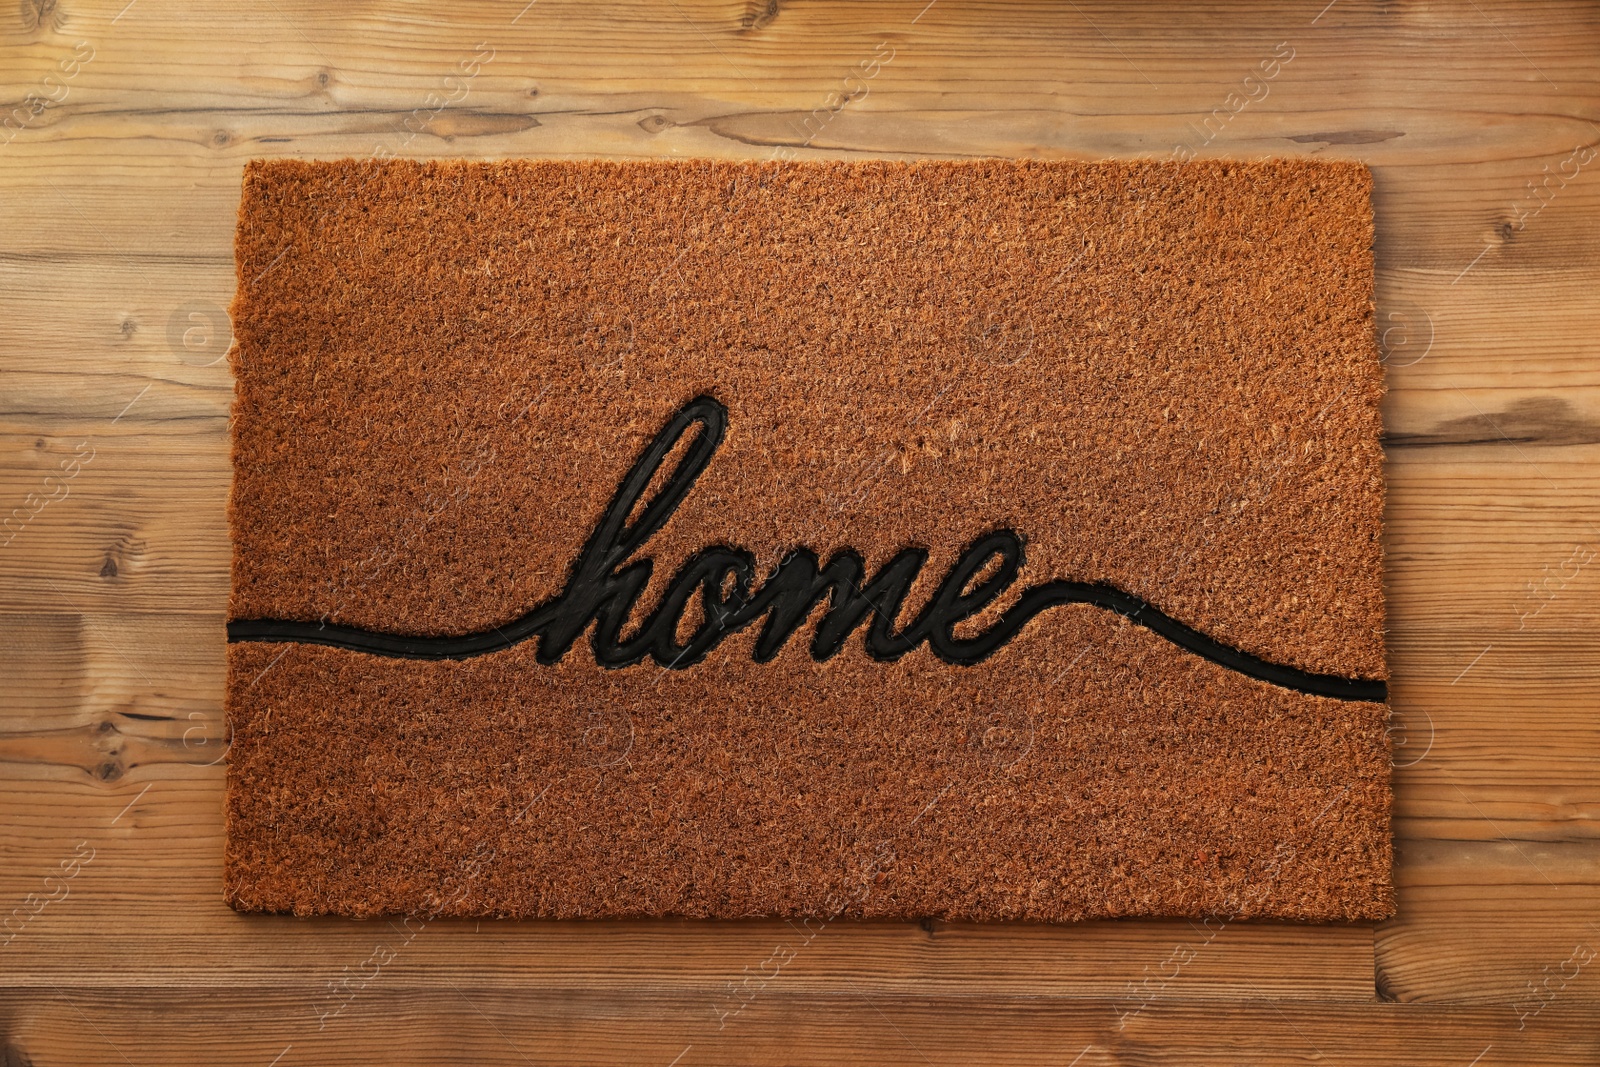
<point x="979" y="540"/>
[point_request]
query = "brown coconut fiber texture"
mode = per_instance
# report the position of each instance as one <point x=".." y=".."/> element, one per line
<point x="1162" y="376"/>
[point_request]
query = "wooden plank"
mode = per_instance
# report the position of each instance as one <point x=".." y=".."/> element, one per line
<point x="1511" y="923"/>
<point x="1024" y="56"/>
<point x="1454" y="381"/>
<point x="703" y="83"/>
<point x="458" y="1022"/>
<point x="113" y="537"/>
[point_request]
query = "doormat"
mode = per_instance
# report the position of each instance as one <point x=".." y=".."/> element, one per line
<point x="975" y="540"/>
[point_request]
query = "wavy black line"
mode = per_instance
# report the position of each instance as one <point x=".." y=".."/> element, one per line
<point x="606" y="581"/>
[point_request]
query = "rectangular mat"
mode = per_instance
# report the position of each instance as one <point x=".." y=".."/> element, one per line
<point x="976" y="540"/>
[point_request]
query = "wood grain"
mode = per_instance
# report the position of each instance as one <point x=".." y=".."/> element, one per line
<point x="462" y="1023"/>
<point x="117" y="203"/>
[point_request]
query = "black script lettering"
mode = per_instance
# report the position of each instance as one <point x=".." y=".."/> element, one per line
<point x="604" y="585"/>
<point x="610" y="573"/>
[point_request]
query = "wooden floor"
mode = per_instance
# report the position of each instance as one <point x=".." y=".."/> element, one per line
<point x="119" y="179"/>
